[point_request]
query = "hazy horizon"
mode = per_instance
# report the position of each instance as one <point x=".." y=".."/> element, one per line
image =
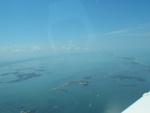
<point x="42" y="27"/>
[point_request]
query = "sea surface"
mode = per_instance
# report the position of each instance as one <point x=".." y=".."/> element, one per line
<point x="89" y="82"/>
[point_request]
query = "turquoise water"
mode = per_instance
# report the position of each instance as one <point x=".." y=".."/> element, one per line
<point x="115" y="81"/>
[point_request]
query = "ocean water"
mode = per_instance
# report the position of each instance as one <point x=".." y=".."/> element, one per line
<point x="114" y="80"/>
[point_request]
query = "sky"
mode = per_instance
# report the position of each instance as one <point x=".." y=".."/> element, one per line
<point x="48" y="25"/>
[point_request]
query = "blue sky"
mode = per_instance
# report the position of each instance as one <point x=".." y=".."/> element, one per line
<point x="74" y="24"/>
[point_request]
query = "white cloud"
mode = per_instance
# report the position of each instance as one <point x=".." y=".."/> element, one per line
<point x="119" y="31"/>
<point x="109" y="33"/>
<point x="18" y="51"/>
<point x="86" y="48"/>
<point x="139" y="30"/>
<point x="36" y="47"/>
<point x="53" y="46"/>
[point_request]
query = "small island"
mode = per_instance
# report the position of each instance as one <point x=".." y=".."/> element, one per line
<point x="79" y="82"/>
